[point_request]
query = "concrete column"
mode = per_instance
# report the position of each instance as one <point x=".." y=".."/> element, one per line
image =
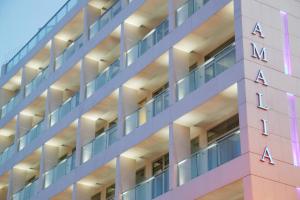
<point x="82" y="87"/>
<point x="10" y="185"/>
<point x="123" y="46"/>
<point x="52" y="57"/>
<point x="179" y="149"/>
<point x="85" y="133"/>
<point x="23" y="82"/>
<point x="125" y="175"/>
<point x="74" y="191"/>
<point x="86" y="25"/>
<point x="171" y="15"/>
<point x="42" y="169"/>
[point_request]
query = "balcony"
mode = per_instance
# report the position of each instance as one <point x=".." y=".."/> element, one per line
<point x="188" y="9"/>
<point x="11" y="104"/>
<point x="31" y="135"/>
<point x="64" y="109"/>
<point x="36" y="81"/>
<point x="69" y="51"/>
<point x="27" y="192"/>
<point x="210" y="157"/>
<point x="149" y="189"/>
<point x="63" y="168"/>
<point x="106" y="17"/>
<point x="153" y="107"/>
<point x="40" y="35"/>
<point x="207" y="71"/>
<point x="7" y="153"/>
<point x="143" y="45"/>
<point x="99" y="144"/>
<point x="104" y="77"/>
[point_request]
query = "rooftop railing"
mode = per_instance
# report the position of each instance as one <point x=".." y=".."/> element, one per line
<point x="40" y="35"/>
<point x="154" y="106"/>
<point x="151" y="39"/>
<point x="207" y="71"/>
<point x="99" y="144"/>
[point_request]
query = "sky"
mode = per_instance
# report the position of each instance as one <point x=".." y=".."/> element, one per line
<point x="20" y="20"/>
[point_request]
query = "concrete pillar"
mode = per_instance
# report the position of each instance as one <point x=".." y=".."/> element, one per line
<point x="123" y="46"/>
<point x="125" y="175"/>
<point x="85" y="133"/>
<point x="82" y="87"/>
<point x="10" y="185"/>
<point x="86" y="24"/>
<point x="52" y="56"/>
<point x="23" y="82"/>
<point x="179" y="149"/>
<point x="171" y="14"/>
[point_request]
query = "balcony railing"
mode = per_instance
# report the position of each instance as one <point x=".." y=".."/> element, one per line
<point x="31" y="135"/>
<point x="68" y="52"/>
<point x="11" y="104"/>
<point x="105" y="18"/>
<point x="63" y="168"/>
<point x="207" y="71"/>
<point x="149" y="189"/>
<point x="156" y="105"/>
<point x="99" y="144"/>
<point x="151" y="39"/>
<point x="7" y="153"/>
<point x="40" y="35"/>
<point x="27" y="192"/>
<point x="105" y="76"/>
<point x="209" y="158"/>
<point x="188" y="9"/>
<point x="64" y="109"/>
<point x="36" y="81"/>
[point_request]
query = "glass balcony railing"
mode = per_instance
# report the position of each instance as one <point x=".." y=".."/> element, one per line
<point x="152" y="38"/>
<point x="63" y="168"/>
<point x="40" y="35"/>
<point x="33" y="133"/>
<point x="209" y="158"/>
<point x="149" y="189"/>
<point x="27" y="192"/>
<point x="64" y="109"/>
<point x="148" y="111"/>
<point x="68" y="52"/>
<point x="11" y="104"/>
<point x="188" y="9"/>
<point x="99" y="144"/>
<point x="36" y="81"/>
<point x="7" y="153"/>
<point x="105" y="76"/>
<point x="207" y="71"/>
<point x="107" y="16"/>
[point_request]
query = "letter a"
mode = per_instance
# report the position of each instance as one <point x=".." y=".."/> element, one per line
<point x="267" y="154"/>
<point x="260" y="78"/>
<point x="257" y="29"/>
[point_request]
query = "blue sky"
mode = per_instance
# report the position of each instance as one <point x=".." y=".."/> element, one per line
<point x="20" y="20"/>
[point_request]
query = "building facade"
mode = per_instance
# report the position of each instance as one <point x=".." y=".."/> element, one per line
<point x="155" y="99"/>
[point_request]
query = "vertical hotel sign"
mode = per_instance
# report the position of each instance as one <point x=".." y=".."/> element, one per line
<point x="261" y="55"/>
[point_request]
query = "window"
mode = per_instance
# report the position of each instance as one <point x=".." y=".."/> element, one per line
<point x="160" y="164"/>
<point x="140" y="175"/>
<point x="194" y="145"/>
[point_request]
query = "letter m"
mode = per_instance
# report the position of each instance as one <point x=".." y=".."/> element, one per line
<point x="261" y="55"/>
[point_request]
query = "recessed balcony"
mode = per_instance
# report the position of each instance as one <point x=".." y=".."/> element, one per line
<point x="146" y="94"/>
<point x="7" y="140"/>
<point x="4" y="182"/>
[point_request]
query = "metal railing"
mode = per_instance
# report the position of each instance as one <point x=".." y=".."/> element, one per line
<point x="154" y="106"/>
<point x="207" y="71"/>
<point x="31" y="135"/>
<point x="99" y="144"/>
<point x="7" y="153"/>
<point x="36" y="81"/>
<point x="209" y="158"/>
<point x="151" y="39"/>
<point x="64" y="109"/>
<point x="63" y="168"/>
<point x="27" y="192"/>
<point x="149" y="189"/>
<point x="105" y="76"/>
<point x="107" y="16"/>
<point x="11" y="104"/>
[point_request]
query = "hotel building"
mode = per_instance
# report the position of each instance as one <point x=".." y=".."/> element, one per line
<point x="155" y="99"/>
